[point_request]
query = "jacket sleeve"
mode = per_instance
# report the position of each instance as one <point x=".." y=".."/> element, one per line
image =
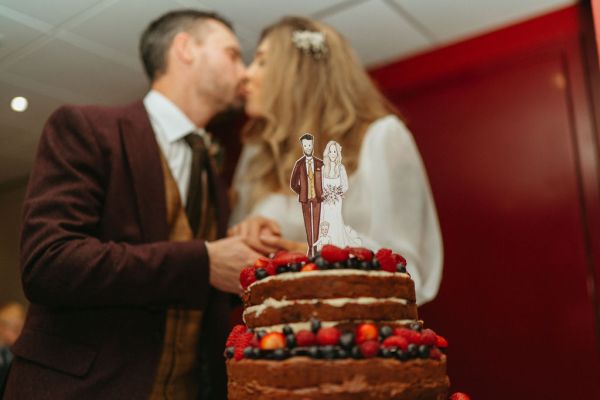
<point x="295" y="180"/>
<point x="63" y="263"/>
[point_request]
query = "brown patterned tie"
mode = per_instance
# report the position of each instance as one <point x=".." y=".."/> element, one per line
<point x="198" y="180"/>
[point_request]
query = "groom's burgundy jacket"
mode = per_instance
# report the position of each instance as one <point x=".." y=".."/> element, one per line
<point x="96" y="263"/>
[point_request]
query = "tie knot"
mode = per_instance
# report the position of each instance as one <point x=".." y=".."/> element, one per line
<point x="195" y="141"/>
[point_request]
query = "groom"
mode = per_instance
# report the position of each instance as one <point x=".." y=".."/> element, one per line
<point x="306" y="182"/>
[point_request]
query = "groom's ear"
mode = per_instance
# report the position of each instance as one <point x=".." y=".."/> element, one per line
<point x="183" y="48"/>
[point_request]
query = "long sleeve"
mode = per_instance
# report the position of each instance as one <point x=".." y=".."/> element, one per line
<point x="63" y="260"/>
<point x="343" y="178"/>
<point x="401" y="213"/>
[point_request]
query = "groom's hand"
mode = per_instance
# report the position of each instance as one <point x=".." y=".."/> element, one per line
<point x="227" y="258"/>
<point x="252" y="228"/>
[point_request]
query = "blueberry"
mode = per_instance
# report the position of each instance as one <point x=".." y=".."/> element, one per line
<point x="347" y="340"/>
<point x="352" y="262"/>
<point x="424" y="351"/>
<point x="248" y="352"/>
<point x="287" y="330"/>
<point x="296" y="267"/>
<point x="280" y="354"/>
<point x="260" y="333"/>
<point x="315" y="325"/>
<point x="282" y="269"/>
<point x="385" y="331"/>
<point x="341" y="353"/>
<point x="415" y="326"/>
<point x="256" y="353"/>
<point x="300" y="351"/>
<point x="338" y="265"/>
<point x="355" y="353"/>
<point x="321" y="263"/>
<point x="401" y="268"/>
<point x="413" y="350"/>
<point x="290" y="341"/>
<point x="386" y="353"/>
<point x="229" y="352"/>
<point x="401" y="355"/>
<point x="374" y="265"/>
<point x="314" y="352"/>
<point x="328" y="352"/>
<point x="364" y="265"/>
<point x="260" y="273"/>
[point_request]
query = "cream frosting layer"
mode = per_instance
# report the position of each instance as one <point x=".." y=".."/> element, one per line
<point x="298" y="326"/>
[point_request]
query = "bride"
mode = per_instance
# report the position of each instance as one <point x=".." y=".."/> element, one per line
<point x="335" y="185"/>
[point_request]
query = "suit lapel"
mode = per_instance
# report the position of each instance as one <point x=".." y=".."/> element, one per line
<point x="143" y="157"/>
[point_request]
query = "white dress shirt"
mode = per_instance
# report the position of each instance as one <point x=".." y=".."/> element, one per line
<point x="388" y="202"/>
<point x="170" y="127"/>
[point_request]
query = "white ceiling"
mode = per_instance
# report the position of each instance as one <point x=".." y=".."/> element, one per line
<point x="85" y="51"/>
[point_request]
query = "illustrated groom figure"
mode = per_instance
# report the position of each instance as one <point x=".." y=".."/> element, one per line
<point x="306" y="181"/>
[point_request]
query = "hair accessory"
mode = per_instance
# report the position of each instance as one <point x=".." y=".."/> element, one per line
<point x="311" y="42"/>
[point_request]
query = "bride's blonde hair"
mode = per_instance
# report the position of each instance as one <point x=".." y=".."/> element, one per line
<point x="327" y="161"/>
<point x="330" y="96"/>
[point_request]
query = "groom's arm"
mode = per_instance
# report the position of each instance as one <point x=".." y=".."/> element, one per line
<point x="295" y="180"/>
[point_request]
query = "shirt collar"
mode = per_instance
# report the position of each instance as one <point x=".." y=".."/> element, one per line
<point x="173" y="122"/>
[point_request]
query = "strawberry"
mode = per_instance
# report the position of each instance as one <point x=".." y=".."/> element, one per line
<point x="435" y="353"/>
<point x="235" y="332"/>
<point x="243" y="341"/>
<point x="386" y="260"/>
<point x="396" y="341"/>
<point x="247" y="277"/>
<point x="271" y="268"/>
<point x="305" y="338"/>
<point x="441" y="342"/>
<point x="289" y="258"/>
<point x="428" y="337"/>
<point x="272" y="341"/>
<point x="309" y="267"/>
<point x="328" y="336"/>
<point x="413" y="337"/>
<point x="334" y="254"/>
<point x="459" y="396"/>
<point x="361" y="253"/>
<point x="366" y="332"/>
<point x="398" y="259"/>
<point x="262" y="262"/>
<point x="369" y="349"/>
<point x="255" y="342"/>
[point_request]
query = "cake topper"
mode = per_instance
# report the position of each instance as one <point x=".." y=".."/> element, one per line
<point x="321" y="186"/>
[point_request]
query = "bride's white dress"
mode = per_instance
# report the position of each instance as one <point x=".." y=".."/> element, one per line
<point x="331" y="210"/>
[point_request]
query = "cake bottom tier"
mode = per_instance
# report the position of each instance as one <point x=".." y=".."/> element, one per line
<point x="303" y="378"/>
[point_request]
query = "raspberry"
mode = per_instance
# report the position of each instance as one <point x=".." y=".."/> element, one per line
<point x="398" y="259"/>
<point x="328" y="336"/>
<point x="289" y="258"/>
<point x="247" y="277"/>
<point x="386" y="260"/>
<point x="334" y="254"/>
<point x="309" y="267"/>
<point x="361" y="253"/>
<point x="369" y="349"/>
<point x="428" y="337"/>
<point x="305" y="338"/>
<point x="459" y="396"/>
<point x="243" y="341"/>
<point x="366" y="332"/>
<point x="396" y="341"/>
<point x="435" y="353"/>
<point x="413" y="337"/>
<point x="272" y="341"/>
<point x="441" y="342"/>
<point x="235" y="332"/>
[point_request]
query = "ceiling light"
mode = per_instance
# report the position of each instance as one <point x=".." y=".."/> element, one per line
<point x="19" y="104"/>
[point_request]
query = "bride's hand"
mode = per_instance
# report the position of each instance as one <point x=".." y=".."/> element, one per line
<point x="252" y="228"/>
<point x="284" y="244"/>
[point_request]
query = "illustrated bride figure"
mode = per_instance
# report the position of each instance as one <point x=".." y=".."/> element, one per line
<point x="335" y="185"/>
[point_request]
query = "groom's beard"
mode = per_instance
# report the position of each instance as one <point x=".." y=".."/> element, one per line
<point x="308" y="154"/>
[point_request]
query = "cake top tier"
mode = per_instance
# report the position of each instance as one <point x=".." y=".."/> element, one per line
<point x="330" y="258"/>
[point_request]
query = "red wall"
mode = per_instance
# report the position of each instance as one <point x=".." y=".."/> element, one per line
<point x="505" y="125"/>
